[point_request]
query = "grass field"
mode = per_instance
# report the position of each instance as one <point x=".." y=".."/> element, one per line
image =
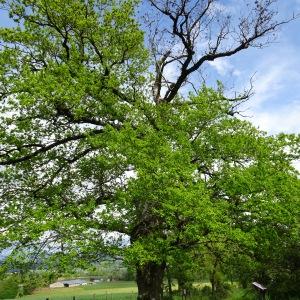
<point x="126" y="290"/>
<point x="120" y="290"/>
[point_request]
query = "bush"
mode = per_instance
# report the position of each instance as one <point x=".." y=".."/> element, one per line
<point x="206" y="291"/>
<point x="8" y="288"/>
<point x="33" y="280"/>
<point x="243" y="294"/>
<point x="222" y="290"/>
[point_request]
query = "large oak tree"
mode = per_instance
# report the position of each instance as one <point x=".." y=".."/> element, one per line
<point x="99" y="145"/>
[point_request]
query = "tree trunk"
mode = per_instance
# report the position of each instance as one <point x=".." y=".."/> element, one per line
<point x="213" y="279"/>
<point x="169" y="278"/>
<point x="181" y="283"/>
<point x="149" y="279"/>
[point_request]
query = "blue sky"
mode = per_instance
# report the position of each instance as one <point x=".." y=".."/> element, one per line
<point x="275" y="106"/>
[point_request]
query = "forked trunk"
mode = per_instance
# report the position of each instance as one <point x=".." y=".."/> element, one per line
<point x="149" y="278"/>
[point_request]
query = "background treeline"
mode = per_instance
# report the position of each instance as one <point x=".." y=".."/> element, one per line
<point x="20" y="282"/>
<point x="18" y="285"/>
<point x="223" y="275"/>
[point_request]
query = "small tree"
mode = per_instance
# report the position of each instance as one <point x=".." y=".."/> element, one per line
<point x="8" y="288"/>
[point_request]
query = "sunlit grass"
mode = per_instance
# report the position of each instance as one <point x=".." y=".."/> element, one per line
<point x="102" y="291"/>
<point x="119" y="290"/>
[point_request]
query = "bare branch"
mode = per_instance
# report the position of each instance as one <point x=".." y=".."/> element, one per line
<point x="186" y="24"/>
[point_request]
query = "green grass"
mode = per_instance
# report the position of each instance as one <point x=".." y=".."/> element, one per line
<point x="241" y="294"/>
<point x="120" y="290"/>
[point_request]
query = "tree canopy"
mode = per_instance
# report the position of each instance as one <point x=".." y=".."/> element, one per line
<point x="102" y="154"/>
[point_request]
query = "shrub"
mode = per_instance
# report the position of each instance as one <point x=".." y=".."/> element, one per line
<point x="34" y="279"/>
<point x="8" y="288"/>
<point x="222" y="290"/>
<point x="206" y="291"/>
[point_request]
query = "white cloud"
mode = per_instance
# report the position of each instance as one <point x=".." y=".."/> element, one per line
<point x="222" y="8"/>
<point x="224" y="67"/>
<point x="268" y="83"/>
<point x="275" y="70"/>
<point x="171" y="72"/>
<point x="284" y="119"/>
<point x="296" y="164"/>
<point x="275" y="106"/>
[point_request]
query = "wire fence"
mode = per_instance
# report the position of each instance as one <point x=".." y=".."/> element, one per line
<point x="105" y="296"/>
<point x="129" y="296"/>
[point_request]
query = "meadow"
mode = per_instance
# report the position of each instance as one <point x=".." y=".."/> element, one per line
<point x="126" y="290"/>
<point x="120" y="290"/>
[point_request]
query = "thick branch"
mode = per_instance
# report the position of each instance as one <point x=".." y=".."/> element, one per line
<point x="192" y="20"/>
<point x="46" y="148"/>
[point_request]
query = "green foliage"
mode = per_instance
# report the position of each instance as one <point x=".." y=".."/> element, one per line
<point x="243" y="294"/>
<point x="8" y="288"/>
<point x="34" y="279"/>
<point x="222" y="290"/>
<point x="110" y="269"/>
<point x="25" y="284"/>
<point x="206" y="291"/>
<point x="92" y="166"/>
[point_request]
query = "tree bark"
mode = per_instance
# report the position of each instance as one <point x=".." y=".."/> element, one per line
<point x="149" y="278"/>
<point x="169" y="278"/>
<point x="213" y="279"/>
